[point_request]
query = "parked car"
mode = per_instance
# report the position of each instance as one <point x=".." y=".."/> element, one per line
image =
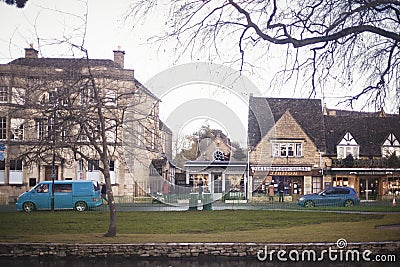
<point x="80" y="195"/>
<point x="332" y="196"/>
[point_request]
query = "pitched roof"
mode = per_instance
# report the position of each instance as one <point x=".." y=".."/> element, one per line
<point x="73" y="63"/>
<point x="264" y="112"/>
<point x="368" y="131"/>
<point x="63" y="62"/>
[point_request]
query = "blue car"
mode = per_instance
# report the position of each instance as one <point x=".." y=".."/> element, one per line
<point x="331" y="196"/>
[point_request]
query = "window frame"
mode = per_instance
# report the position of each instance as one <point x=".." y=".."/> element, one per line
<point x="286" y="149"/>
<point x="3" y="128"/>
<point x="3" y="94"/>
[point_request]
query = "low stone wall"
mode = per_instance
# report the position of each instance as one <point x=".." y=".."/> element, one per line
<point x="182" y="250"/>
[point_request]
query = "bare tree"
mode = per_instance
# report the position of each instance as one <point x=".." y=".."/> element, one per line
<point x="74" y="110"/>
<point x="353" y="43"/>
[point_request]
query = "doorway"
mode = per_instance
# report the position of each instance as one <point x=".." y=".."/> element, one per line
<point x="217" y="185"/>
<point x="369" y="188"/>
<point x="49" y="171"/>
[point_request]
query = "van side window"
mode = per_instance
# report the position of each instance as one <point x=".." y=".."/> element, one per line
<point x="43" y="188"/>
<point x="63" y="188"/>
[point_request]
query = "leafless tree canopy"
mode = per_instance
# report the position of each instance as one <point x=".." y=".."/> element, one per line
<point x="337" y="40"/>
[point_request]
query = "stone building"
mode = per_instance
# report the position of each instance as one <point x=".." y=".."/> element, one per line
<point x="49" y="124"/>
<point x="287" y="142"/>
<point x="309" y="148"/>
<point x="363" y="151"/>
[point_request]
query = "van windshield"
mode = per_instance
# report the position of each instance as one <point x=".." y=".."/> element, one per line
<point x="41" y="188"/>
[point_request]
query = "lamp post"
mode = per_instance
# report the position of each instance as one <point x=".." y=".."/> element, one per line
<point x="246" y="180"/>
<point x="53" y="165"/>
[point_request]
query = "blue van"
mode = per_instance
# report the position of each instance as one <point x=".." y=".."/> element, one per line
<point x="80" y="195"/>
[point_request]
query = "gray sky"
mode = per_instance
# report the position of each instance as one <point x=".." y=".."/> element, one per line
<point x="46" y="22"/>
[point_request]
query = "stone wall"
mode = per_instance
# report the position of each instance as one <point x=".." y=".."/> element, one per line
<point x="185" y="250"/>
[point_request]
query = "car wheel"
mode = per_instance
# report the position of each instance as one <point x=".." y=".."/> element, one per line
<point x="80" y="206"/>
<point x="309" y="204"/>
<point x="349" y="203"/>
<point x="28" y="206"/>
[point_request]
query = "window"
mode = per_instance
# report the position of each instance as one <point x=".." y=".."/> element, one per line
<point x="80" y="165"/>
<point x="347" y="146"/>
<point x="290" y="150"/>
<point x="53" y="97"/>
<point x="15" y="165"/>
<point x="112" y="165"/>
<point x="287" y="150"/>
<point x="18" y="96"/>
<point x="62" y="188"/>
<point x="275" y="150"/>
<point x="17" y="129"/>
<point x="111" y="98"/>
<point x="341" y="191"/>
<point x="299" y="150"/>
<point x="86" y="96"/>
<point x="316" y="184"/>
<point x="3" y="94"/>
<point x="44" y="128"/>
<point x="3" y="128"/>
<point x="283" y="150"/>
<point x="93" y="165"/>
<point x="42" y="188"/>
<point x="340" y="181"/>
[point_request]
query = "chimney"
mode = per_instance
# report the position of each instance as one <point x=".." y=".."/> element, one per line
<point x="31" y="52"/>
<point x="119" y="57"/>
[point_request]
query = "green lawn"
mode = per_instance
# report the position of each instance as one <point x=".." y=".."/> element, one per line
<point x="198" y="226"/>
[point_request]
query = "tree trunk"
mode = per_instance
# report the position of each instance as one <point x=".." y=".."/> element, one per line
<point x="112" y="229"/>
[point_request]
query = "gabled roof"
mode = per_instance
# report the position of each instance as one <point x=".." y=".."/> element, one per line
<point x="264" y="112"/>
<point x="369" y="132"/>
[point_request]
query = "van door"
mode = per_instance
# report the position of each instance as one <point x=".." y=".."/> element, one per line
<point x="63" y="196"/>
<point x="41" y="196"/>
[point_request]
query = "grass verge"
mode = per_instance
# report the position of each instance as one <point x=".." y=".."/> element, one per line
<point x="198" y="226"/>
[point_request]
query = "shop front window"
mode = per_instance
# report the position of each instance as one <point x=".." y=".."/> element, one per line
<point x="293" y="185"/>
<point x="234" y="183"/>
<point x="391" y="187"/>
<point x="316" y="184"/>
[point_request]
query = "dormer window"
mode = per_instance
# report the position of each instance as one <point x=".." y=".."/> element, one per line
<point x="348" y="145"/>
<point x="391" y="146"/>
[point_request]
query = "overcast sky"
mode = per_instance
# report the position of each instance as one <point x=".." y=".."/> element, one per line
<point x="58" y="20"/>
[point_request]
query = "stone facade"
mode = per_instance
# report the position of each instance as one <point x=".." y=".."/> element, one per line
<point x="31" y="87"/>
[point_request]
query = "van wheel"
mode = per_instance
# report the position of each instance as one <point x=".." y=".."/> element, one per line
<point x="309" y="204"/>
<point x="28" y="206"/>
<point x="80" y="206"/>
<point x="349" y="203"/>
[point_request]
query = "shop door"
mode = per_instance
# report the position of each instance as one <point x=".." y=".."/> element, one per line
<point x="369" y="189"/>
<point x="216" y="185"/>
